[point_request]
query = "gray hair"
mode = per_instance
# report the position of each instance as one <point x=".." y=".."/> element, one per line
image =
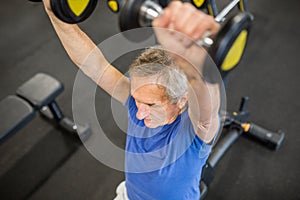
<point x="156" y="63"/>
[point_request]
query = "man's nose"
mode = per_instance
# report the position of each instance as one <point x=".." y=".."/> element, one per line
<point x="143" y="111"/>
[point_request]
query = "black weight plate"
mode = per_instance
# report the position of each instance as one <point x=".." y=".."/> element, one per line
<point x="65" y="12"/>
<point x="129" y="19"/>
<point x="87" y="11"/>
<point x="59" y="12"/>
<point x="227" y="36"/>
<point x="129" y="15"/>
<point x="164" y="3"/>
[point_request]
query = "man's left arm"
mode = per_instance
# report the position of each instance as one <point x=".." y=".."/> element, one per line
<point x="182" y="24"/>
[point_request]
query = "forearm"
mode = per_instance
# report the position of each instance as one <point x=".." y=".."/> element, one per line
<point x="80" y="48"/>
<point x="88" y="57"/>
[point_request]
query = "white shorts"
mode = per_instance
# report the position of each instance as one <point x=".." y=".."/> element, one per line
<point x="121" y="192"/>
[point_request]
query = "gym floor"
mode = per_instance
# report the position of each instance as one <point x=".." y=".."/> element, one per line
<point x="268" y="74"/>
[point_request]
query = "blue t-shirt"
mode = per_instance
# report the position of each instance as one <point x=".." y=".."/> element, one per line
<point x="165" y="162"/>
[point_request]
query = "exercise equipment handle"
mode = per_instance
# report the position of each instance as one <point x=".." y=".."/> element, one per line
<point x="151" y="10"/>
<point x="221" y="16"/>
<point x="272" y="139"/>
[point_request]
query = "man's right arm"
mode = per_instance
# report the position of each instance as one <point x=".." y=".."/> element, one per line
<point x="88" y="57"/>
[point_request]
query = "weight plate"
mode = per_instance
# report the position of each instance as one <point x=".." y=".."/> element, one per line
<point x="230" y="42"/>
<point x="129" y="19"/>
<point x="199" y="3"/>
<point x="78" y="11"/>
<point x="58" y="11"/>
<point x="114" y="5"/>
<point x="129" y="15"/>
<point x="212" y="8"/>
<point x="242" y="5"/>
<point x="164" y="3"/>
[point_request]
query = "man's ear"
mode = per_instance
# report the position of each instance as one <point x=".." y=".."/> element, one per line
<point x="182" y="101"/>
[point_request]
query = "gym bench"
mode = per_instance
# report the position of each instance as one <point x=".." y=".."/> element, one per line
<point x="27" y="170"/>
<point x="36" y="94"/>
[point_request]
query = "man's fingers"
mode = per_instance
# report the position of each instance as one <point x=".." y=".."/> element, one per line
<point x="163" y="20"/>
<point x="174" y="8"/>
<point x="182" y="16"/>
<point x="185" y="18"/>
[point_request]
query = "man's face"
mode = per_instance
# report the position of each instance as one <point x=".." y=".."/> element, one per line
<point x="153" y="105"/>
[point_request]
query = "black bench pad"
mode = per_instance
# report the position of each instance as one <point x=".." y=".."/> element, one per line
<point x="40" y="90"/>
<point x="15" y="113"/>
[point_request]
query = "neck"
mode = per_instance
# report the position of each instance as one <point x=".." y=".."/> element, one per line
<point x="179" y="112"/>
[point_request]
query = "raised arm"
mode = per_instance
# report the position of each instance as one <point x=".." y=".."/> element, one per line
<point x="203" y="97"/>
<point x="88" y="57"/>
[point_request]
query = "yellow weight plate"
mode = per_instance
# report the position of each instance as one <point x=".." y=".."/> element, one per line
<point x="113" y="5"/>
<point x="210" y="10"/>
<point x="241" y="5"/>
<point x="78" y="6"/>
<point x="198" y="3"/>
<point x="236" y="51"/>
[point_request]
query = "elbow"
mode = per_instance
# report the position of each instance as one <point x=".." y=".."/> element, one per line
<point x="207" y="131"/>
